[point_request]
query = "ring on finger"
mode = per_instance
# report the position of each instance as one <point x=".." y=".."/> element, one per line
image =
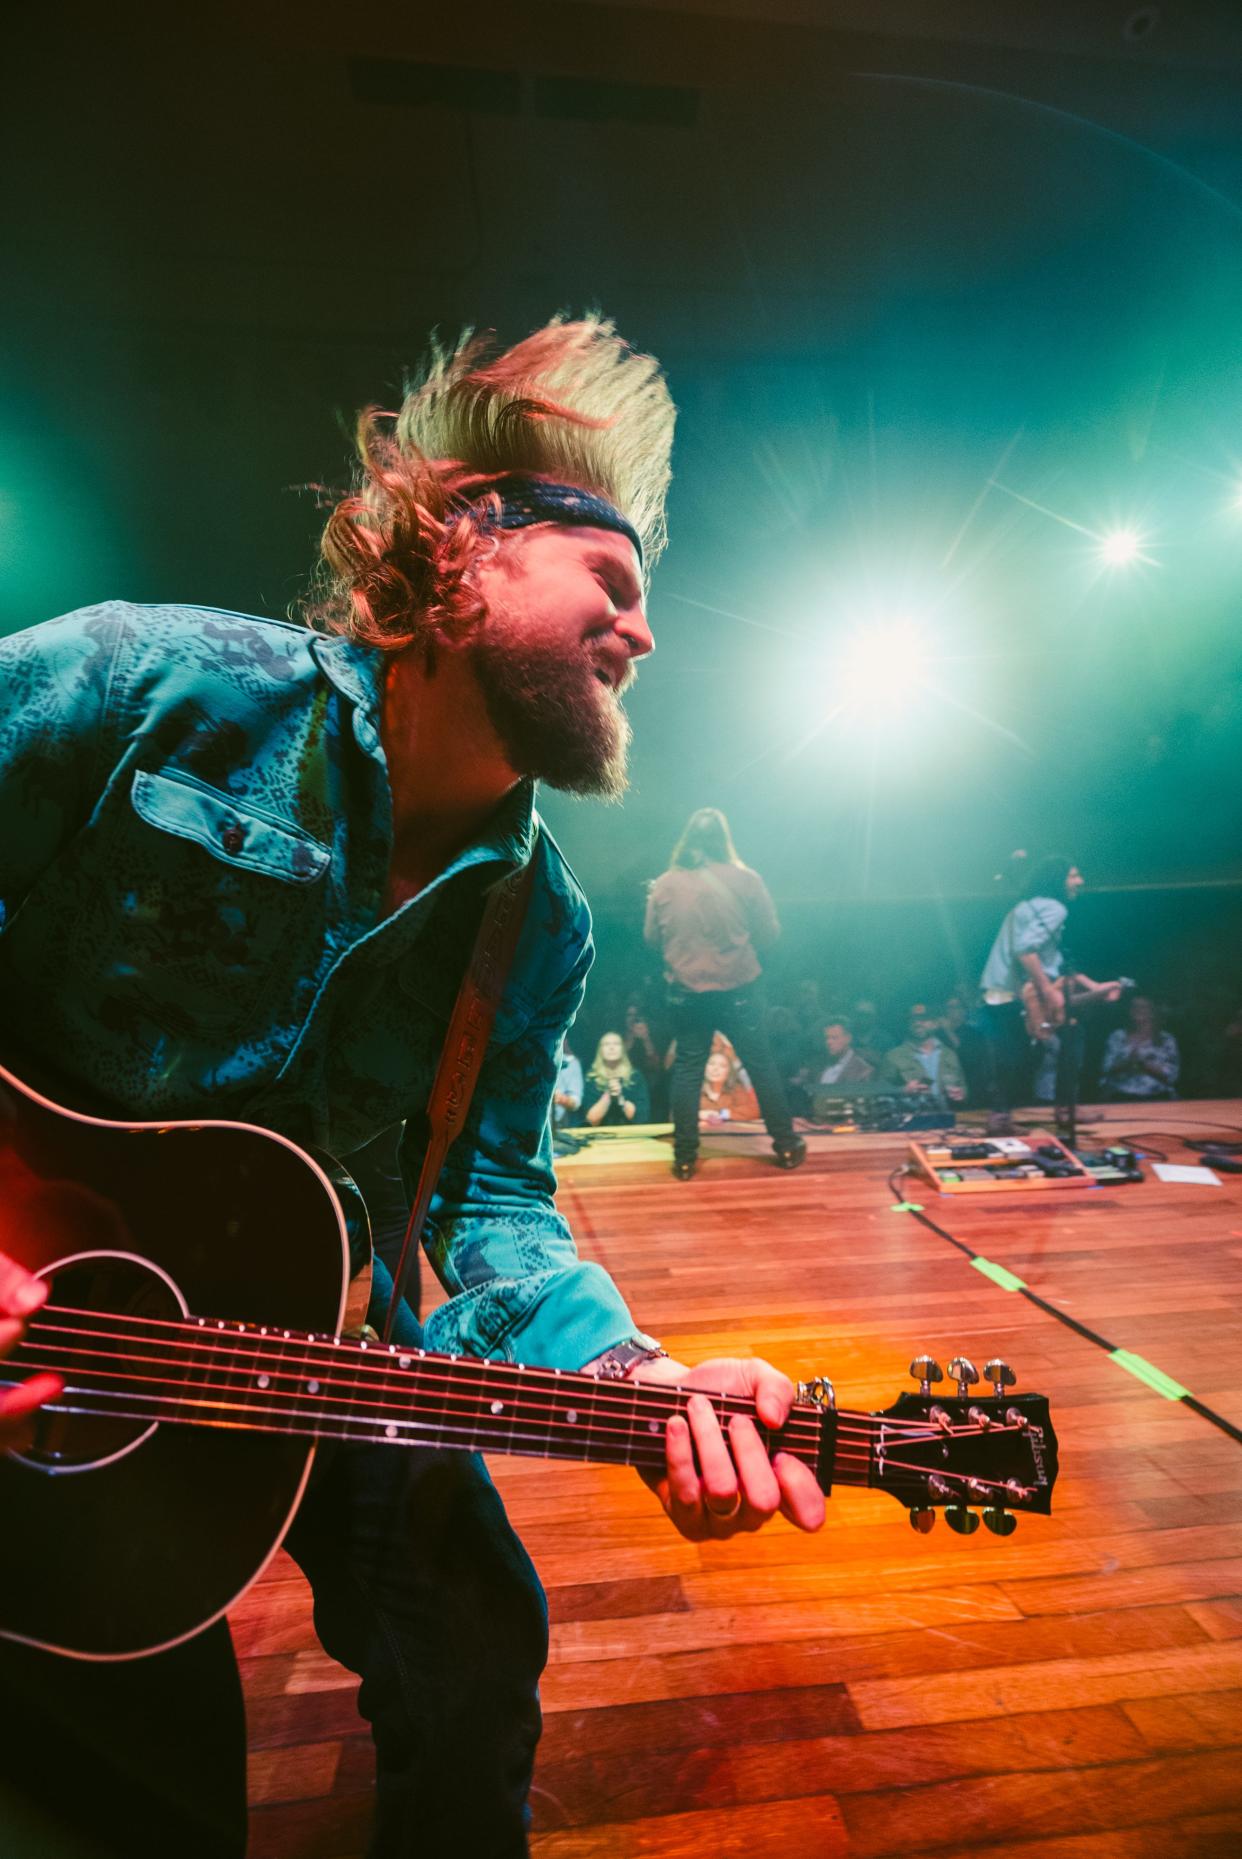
<point x="725" y="1513"/>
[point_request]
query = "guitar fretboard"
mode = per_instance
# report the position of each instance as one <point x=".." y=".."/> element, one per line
<point x="209" y="1372"/>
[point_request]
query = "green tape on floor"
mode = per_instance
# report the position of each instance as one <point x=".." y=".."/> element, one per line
<point x="1148" y="1372"/>
<point x="1007" y="1280"/>
<point x="906" y="1207"/>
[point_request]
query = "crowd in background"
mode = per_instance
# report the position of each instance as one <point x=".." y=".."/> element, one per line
<point x="934" y="1052"/>
<point x="1034" y="1028"/>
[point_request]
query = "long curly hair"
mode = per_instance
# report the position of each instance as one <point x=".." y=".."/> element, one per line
<point x="573" y="403"/>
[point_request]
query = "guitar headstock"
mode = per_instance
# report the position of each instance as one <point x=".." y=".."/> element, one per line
<point x="964" y="1454"/>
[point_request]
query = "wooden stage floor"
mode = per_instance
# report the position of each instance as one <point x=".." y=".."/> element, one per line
<point x="1072" y="1692"/>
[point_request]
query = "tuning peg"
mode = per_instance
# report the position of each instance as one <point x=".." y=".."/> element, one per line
<point x="923" y="1521"/>
<point x="964" y="1373"/>
<point x="1000" y="1522"/>
<point x="1000" y="1375"/>
<point x="964" y="1521"/>
<point x="925" y="1370"/>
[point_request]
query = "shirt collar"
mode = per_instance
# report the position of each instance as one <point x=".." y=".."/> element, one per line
<point x="356" y="670"/>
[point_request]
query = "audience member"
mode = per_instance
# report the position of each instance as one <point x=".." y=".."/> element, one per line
<point x="1140" y="1060"/>
<point x="871" y="1038"/>
<point x="622" y="1092"/>
<point x="791" y="1056"/>
<point x="808" y="1008"/>
<point x="1224" y="1068"/>
<point x="923" y="1066"/>
<point x="962" y="1034"/>
<point x="567" y="1098"/>
<point x="844" y="1066"/>
<point x="641" y="1051"/>
<point x="726" y="1095"/>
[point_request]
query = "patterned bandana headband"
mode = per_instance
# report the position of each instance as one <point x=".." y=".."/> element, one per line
<point x="525" y="501"/>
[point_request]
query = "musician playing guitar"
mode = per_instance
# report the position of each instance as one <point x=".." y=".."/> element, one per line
<point x="244" y="862"/>
<point x="1025" y="986"/>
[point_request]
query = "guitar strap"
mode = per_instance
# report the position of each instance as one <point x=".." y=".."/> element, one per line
<point x="469" y="1029"/>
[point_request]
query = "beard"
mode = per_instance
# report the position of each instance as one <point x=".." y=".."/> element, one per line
<point x="555" y="719"/>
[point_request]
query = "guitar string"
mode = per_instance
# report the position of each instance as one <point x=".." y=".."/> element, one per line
<point x="344" y="1387"/>
<point x="268" y="1354"/>
<point x="246" y="1399"/>
<point x="789" y="1437"/>
<point x="249" y="1405"/>
<point x="641" y="1454"/>
<point x="212" y="1333"/>
<point x="222" y="1352"/>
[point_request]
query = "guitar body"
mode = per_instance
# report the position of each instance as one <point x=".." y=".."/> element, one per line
<point x="121" y="1537"/>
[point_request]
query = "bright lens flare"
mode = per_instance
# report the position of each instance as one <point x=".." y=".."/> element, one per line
<point x="1120" y="548"/>
<point x="880" y="671"/>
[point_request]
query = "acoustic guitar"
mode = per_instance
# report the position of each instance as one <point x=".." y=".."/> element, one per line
<point x="200" y="1317"/>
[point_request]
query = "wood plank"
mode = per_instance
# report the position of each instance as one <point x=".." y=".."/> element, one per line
<point x="1023" y="1644"/>
<point x="306" y="1772"/>
<point x="1193" y="1836"/>
<point x="773" y="1831"/>
<point x="1110" y="1678"/>
<point x="1209" y="1722"/>
<point x="578" y="1791"/>
<point x="986" y="1809"/>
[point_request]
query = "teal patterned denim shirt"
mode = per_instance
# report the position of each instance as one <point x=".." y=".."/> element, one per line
<point x="195" y="832"/>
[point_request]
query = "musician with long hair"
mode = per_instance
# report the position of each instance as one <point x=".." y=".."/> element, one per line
<point x="710" y="916"/>
<point x="1024" y="986"/>
<point x="244" y="864"/>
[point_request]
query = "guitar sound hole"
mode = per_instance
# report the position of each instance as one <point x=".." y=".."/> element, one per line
<point x="126" y="1287"/>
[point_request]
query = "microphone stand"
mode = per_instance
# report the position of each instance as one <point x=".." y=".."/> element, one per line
<point x="1069" y="1061"/>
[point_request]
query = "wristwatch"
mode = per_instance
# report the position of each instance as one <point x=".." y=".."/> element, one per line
<point x="616" y="1363"/>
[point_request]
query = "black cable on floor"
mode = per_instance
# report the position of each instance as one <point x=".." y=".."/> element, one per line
<point x="1136" y="1365"/>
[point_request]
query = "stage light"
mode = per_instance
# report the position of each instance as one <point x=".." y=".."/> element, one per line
<point x="880" y="669"/>
<point x="1121" y="547"/>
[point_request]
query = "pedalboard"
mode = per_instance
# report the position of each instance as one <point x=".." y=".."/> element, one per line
<point x="1028" y="1164"/>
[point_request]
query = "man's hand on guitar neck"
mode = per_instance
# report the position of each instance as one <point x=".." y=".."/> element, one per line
<point x="714" y="1487"/>
<point x="20" y="1296"/>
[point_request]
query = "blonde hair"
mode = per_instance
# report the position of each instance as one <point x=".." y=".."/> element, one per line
<point x="573" y="403"/>
<point x="601" y="1071"/>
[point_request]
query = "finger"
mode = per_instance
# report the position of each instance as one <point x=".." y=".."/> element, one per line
<point x="718" y="1474"/>
<point x="802" y="1501"/>
<point x="760" y="1490"/>
<point x="10" y="1334"/>
<point x="20" y="1294"/>
<point x="774" y="1394"/>
<point x="685" y="1505"/>
<point x="18" y="1407"/>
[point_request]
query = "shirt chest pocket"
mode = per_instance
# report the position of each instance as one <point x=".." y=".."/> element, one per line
<point x="206" y="906"/>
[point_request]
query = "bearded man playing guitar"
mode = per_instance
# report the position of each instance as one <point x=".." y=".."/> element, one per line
<point x="244" y="862"/>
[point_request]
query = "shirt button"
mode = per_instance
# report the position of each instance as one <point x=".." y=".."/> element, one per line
<point x="231" y="838"/>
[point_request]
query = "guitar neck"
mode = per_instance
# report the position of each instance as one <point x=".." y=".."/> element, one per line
<point x="206" y="1373"/>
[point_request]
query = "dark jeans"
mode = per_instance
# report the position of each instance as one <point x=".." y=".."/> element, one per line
<point x="420" y="1586"/>
<point x="739" y="1015"/>
<point x="1013" y="1058"/>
